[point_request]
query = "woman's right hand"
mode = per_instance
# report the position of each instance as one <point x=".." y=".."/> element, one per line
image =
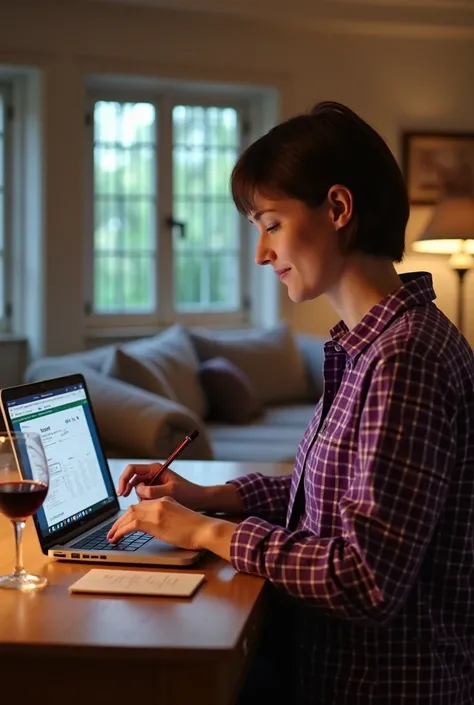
<point x="168" y="484"/>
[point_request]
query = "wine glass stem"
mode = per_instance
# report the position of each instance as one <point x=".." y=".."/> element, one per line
<point x="18" y="527"/>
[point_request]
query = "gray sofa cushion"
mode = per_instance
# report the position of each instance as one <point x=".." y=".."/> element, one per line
<point x="173" y="355"/>
<point x="274" y="437"/>
<point x="294" y="415"/>
<point x="94" y="358"/>
<point x="270" y="358"/>
<point x="139" y="372"/>
<point x="278" y="451"/>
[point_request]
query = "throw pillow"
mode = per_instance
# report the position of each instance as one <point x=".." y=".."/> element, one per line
<point x="140" y="372"/>
<point x="173" y="355"/>
<point x="270" y="359"/>
<point x="229" y="392"/>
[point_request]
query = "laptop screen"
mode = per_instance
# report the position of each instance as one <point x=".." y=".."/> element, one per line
<point x="80" y="482"/>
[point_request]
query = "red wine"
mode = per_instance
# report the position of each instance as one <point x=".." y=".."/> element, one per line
<point x="19" y="500"/>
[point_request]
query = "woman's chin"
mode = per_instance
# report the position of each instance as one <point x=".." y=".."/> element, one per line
<point x="299" y="296"/>
<point x="296" y="297"/>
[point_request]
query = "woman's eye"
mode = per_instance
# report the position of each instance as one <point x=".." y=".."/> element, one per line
<point x="272" y="228"/>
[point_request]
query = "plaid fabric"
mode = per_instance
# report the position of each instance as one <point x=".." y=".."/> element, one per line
<point x="377" y="540"/>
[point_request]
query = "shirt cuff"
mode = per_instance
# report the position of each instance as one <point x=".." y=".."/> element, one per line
<point x="245" y="486"/>
<point x="245" y="551"/>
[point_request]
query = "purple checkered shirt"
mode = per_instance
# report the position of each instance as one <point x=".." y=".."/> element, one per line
<point x="374" y="529"/>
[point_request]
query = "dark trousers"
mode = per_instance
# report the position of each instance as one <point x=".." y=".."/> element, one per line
<point x="268" y="680"/>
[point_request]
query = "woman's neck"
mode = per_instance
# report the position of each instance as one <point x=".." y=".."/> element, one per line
<point x="363" y="283"/>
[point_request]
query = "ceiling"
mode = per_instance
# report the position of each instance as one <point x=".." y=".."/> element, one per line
<point x="407" y="17"/>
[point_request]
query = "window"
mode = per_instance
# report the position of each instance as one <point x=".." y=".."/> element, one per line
<point x="206" y="144"/>
<point x="166" y="240"/>
<point x="5" y="115"/>
<point x="125" y="205"/>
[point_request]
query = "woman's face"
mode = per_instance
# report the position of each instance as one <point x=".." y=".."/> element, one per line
<point x="300" y="243"/>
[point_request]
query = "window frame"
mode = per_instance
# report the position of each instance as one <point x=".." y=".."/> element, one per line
<point x="164" y="100"/>
<point x="6" y="90"/>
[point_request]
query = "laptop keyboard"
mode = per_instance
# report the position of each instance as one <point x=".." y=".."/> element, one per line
<point x="98" y="541"/>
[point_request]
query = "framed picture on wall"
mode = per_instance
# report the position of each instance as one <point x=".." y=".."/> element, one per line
<point x="437" y="164"/>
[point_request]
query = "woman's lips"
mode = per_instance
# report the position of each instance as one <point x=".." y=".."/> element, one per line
<point x="282" y="272"/>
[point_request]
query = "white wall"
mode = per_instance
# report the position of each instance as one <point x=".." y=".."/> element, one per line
<point x="394" y="83"/>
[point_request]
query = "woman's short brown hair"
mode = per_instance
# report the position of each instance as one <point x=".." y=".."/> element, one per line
<point x="304" y="156"/>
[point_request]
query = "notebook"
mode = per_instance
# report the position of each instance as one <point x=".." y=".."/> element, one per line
<point x="138" y="582"/>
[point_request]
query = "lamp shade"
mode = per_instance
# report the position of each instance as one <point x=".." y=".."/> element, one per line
<point x="451" y="228"/>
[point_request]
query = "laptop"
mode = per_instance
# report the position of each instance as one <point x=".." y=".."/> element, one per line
<point x="81" y="504"/>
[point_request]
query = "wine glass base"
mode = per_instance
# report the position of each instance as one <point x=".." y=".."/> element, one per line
<point x="24" y="582"/>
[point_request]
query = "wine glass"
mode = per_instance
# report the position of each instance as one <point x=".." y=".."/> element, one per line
<point x="24" y="483"/>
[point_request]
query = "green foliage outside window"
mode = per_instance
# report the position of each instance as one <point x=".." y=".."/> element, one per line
<point x="206" y="260"/>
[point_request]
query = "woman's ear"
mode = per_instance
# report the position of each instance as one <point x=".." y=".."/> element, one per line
<point x="341" y="206"/>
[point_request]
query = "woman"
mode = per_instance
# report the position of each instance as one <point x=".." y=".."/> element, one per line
<point x="372" y="537"/>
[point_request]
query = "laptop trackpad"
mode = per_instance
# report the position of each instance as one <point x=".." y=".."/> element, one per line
<point x="156" y="549"/>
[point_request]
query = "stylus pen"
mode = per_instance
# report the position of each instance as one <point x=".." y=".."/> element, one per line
<point x="187" y="440"/>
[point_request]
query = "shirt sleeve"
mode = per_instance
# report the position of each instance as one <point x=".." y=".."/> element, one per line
<point x="265" y="497"/>
<point x="405" y="458"/>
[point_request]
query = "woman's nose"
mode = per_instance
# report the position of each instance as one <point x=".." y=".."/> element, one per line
<point x="263" y="253"/>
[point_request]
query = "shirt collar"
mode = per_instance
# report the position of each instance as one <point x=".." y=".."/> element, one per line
<point x="417" y="290"/>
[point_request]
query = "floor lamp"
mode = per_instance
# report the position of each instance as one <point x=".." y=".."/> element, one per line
<point x="451" y="232"/>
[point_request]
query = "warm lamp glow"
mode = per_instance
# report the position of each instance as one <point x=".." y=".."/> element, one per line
<point x="461" y="260"/>
<point x="450" y="230"/>
<point x="444" y="247"/>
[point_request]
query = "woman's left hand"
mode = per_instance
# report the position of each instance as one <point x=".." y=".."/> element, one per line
<point x="166" y="520"/>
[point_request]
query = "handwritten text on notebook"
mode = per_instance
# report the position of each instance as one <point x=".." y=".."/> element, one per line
<point x="138" y="582"/>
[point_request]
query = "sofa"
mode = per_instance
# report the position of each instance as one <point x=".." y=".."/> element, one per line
<point x="249" y="393"/>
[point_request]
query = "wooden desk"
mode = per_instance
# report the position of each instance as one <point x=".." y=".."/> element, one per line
<point x="58" y="648"/>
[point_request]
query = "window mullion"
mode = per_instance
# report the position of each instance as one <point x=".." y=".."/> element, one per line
<point x="164" y="233"/>
<point x="245" y="259"/>
<point x="6" y="265"/>
<point x="89" y="251"/>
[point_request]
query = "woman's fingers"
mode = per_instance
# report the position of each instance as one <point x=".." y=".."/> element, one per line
<point x="153" y="491"/>
<point x="133" y="475"/>
<point x="122" y="530"/>
<point x="124" y="525"/>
